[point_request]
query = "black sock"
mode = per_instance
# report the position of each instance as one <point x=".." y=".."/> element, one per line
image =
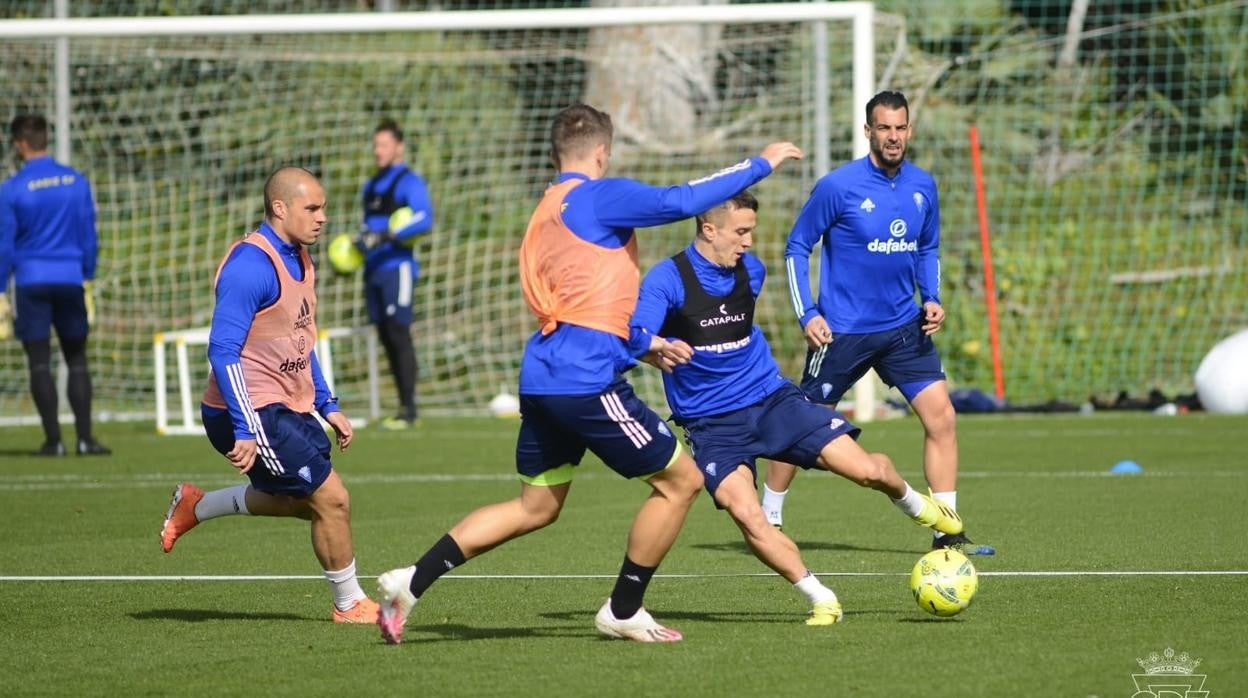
<point x="78" y="389"/>
<point x="630" y="586"/>
<point x="43" y="386"/>
<point x="444" y="556"/>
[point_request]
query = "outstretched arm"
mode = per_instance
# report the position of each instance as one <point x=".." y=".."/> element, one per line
<point x="624" y="203"/>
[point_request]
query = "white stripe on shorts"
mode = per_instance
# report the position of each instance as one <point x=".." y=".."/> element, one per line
<point x="631" y="427"/>
<point x="816" y="361"/>
<point x="405" y="285"/>
<point x="264" y="450"/>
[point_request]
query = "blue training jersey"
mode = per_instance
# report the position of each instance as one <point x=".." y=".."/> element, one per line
<point x="576" y="360"/>
<point x="248" y="284"/>
<point x="717" y="379"/>
<point x="409" y="191"/>
<point x="47" y="226"/>
<point x="880" y="241"/>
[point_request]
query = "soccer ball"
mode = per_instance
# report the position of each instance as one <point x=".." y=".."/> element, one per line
<point x="399" y="220"/>
<point x="344" y="256"/>
<point x="505" y="405"/>
<point x="943" y="582"/>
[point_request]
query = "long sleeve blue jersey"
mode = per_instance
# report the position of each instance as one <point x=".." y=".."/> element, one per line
<point x="880" y="241"/>
<point x="47" y="226"/>
<point x="248" y="284"/>
<point x="713" y="382"/>
<point x="411" y="192"/>
<point x="576" y="360"/>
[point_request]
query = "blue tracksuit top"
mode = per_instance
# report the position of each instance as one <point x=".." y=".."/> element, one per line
<point x="713" y="382"/>
<point x="47" y="226"/>
<point x="880" y="241"/>
<point x="247" y="285"/>
<point x="576" y="360"/>
<point x="410" y="192"/>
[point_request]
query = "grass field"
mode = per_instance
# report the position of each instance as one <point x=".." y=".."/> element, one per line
<point x="1064" y="608"/>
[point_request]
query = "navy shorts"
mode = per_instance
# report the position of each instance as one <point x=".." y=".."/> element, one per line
<point x="905" y="358"/>
<point x="783" y="426"/>
<point x="388" y="294"/>
<point x="555" y="430"/>
<point x="292" y="449"/>
<point x="40" y="307"/>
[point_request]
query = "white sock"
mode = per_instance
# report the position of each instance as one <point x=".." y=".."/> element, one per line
<point x="949" y="499"/>
<point x="345" y="585"/>
<point x="226" y="502"/>
<point x="813" y="589"/>
<point x="773" y="505"/>
<point x="911" y="502"/>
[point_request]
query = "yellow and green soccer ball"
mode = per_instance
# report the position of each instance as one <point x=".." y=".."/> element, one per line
<point x="344" y="256"/>
<point x="944" y="582"/>
<point x="399" y="220"/>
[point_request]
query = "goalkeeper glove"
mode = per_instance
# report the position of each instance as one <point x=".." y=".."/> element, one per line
<point x="6" y="317"/>
<point x="371" y="239"/>
<point x="88" y="299"/>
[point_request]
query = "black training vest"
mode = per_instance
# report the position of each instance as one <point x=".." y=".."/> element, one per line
<point x="705" y="320"/>
<point x="384" y="202"/>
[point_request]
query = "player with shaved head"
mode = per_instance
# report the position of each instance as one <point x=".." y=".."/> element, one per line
<point x="265" y="384"/>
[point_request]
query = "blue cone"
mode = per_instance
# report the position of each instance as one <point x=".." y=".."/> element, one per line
<point x="1126" y="467"/>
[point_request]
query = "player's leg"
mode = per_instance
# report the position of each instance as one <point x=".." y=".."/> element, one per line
<point x="69" y="316"/>
<point x="775" y="488"/>
<point x="32" y="325"/>
<point x="735" y="494"/>
<point x="828" y="372"/>
<point x="843" y="456"/>
<point x="392" y="289"/>
<point x="544" y="457"/>
<point x="940" y="440"/>
<point x="632" y="440"/>
<point x="912" y="363"/>
<point x="798" y="431"/>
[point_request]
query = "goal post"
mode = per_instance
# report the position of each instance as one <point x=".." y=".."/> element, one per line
<point x="190" y="375"/>
<point x="177" y="120"/>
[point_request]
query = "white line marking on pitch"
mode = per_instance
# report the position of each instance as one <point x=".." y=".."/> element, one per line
<point x="308" y="577"/>
<point x="70" y="481"/>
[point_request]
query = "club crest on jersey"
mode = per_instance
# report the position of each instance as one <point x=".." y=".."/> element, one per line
<point x="920" y="202"/>
<point x="867" y="205"/>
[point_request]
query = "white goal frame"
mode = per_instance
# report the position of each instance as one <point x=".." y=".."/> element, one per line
<point x="860" y="14"/>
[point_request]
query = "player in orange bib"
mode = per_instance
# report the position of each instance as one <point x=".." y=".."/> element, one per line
<point x="264" y="386"/>
<point x="578" y="271"/>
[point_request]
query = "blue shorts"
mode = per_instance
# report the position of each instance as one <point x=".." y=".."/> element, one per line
<point x="783" y="426"/>
<point x="904" y="357"/>
<point x="292" y="449"/>
<point x="615" y="424"/>
<point x="39" y="307"/>
<point x="388" y="294"/>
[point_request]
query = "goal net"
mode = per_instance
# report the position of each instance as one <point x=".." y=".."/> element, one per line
<point x="1115" y="142"/>
<point x="178" y="123"/>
